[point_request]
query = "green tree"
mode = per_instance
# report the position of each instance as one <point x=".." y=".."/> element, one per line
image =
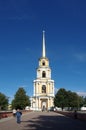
<point x="3" y="101"/>
<point x="61" y="99"/>
<point x="84" y="101"/>
<point x="21" y="100"/>
<point x="81" y="101"/>
<point x="68" y="99"/>
<point x="74" y="100"/>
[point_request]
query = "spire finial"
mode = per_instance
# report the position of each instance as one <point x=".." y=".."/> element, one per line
<point x="43" y="51"/>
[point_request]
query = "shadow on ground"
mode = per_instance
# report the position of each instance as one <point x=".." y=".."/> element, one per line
<point x="56" y="122"/>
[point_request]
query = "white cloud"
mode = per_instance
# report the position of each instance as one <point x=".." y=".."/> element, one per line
<point x="80" y="57"/>
<point x="81" y="93"/>
<point x="55" y="90"/>
<point x="23" y="86"/>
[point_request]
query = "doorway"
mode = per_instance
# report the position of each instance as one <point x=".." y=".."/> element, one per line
<point x="44" y="105"/>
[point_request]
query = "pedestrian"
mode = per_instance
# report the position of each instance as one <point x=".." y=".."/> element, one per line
<point x="75" y="114"/>
<point x="18" y="116"/>
<point x="14" y="112"/>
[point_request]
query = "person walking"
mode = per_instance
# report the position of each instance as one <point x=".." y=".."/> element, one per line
<point x="18" y="116"/>
<point x="75" y="114"/>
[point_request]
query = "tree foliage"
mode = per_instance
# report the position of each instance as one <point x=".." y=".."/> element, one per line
<point x="60" y="99"/>
<point x="67" y="99"/>
<point x="84" y="101"/>
<point x="21" y="100"/>
<point x="3" y="101"/>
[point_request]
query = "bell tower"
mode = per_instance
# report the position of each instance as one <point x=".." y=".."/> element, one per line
<point x="43" y="95"/>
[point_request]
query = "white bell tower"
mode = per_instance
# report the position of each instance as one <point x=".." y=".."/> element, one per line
<point x="43" y="95"/>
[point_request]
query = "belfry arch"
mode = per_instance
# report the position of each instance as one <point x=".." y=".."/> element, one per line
<point x="43" y="74"/>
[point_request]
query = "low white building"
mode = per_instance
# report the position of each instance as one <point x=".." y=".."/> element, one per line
<point x="83" y="108"/>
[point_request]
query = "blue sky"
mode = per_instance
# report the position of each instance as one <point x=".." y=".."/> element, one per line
<point x="21" y="26"/>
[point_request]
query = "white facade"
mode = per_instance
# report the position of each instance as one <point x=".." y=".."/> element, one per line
<point x="43" y="94"/>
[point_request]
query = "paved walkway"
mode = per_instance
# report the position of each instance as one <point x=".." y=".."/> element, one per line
<point x="42" y="121"/>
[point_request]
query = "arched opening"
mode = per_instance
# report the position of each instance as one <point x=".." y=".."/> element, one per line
<point x="43" y="74"/>
<point x="43" y="63"/>
<point x="43" y="89"/>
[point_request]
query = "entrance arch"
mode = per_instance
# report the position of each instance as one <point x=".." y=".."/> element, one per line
<point x="44" y="105"/>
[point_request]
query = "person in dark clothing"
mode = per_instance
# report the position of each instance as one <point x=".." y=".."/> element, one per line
<point x="18" y="116"/>
<point x="75" y="114"/>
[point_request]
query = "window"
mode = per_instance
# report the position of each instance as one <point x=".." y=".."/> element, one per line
<point x="43" y="89"/>
<point x="43" y="63"/>
<point x="43" y="74"/>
